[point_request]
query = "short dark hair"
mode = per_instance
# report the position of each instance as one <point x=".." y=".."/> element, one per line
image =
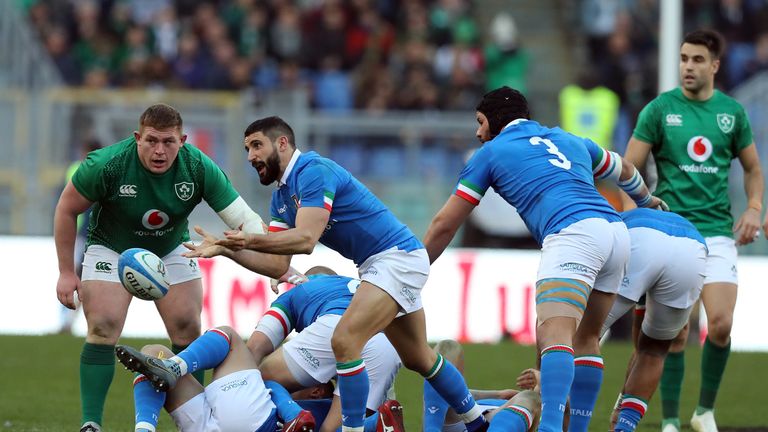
<point x="709" y="38"/>
<point x="160" y="116"/>
<point x="320" y="270"/>
<point x="273" y="127"/>
<point x="501" y="106"/>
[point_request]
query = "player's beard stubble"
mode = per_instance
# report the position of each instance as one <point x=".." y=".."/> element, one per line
<point x="271" y="168"/>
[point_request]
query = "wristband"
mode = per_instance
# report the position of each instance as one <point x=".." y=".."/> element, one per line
<point x="755" y="204"/>
<point x="635" y="188"/>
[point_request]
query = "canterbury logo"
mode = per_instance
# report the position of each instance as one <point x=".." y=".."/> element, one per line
<point x="128" y="190"/>
<point x="103" y="266"/>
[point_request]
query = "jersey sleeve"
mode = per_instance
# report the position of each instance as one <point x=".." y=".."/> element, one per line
<point x="218" y="191"/>
<point x="604" y="162"/>
<point x="648" y="124"/>
<point x="317" y="185"/>
<point x="475" y="178"/>
<point x="277" y="222"/>
<point x="742" y="137"/>
<point x="278" y="321"/>
<point x="88" y="179"/>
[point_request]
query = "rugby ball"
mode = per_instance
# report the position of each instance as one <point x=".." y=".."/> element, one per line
<point x="142" y="273"/>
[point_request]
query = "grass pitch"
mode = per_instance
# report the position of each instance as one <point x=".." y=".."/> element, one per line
<point x="39" y="386"/>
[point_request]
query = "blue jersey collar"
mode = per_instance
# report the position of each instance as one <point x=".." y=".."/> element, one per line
<point x="289" y="168"/>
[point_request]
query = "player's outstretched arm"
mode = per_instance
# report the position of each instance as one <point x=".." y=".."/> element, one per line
<point x="260" y="345"/>
<point x="444" y="225"/>
<point x="71" y="203"/>
<point x="746" y="228"/>
<point x="637" y="152"/>
<point x="239" y="216"/>
<point x="310" y="225"/>
<point x="274" y="266"/>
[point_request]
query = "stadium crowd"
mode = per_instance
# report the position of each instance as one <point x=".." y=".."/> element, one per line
<point x="374" y="55"/>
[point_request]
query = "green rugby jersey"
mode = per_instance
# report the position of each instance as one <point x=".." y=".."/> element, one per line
<point x="693" y="143"/>
<point x="136" y="208"/>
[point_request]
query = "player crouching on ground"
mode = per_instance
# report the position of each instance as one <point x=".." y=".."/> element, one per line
<point x="667" y="265"/>
<point x="236" y="400"/>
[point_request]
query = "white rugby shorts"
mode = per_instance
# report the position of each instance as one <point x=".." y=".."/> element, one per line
<point x="235" y="402"/>
<point x="594" y="251"/>
<point x="311" y="361"/>
<point x="721" y="261"/>
<point x="669" y="269"/>
<point x="400" y="274"/>
<point x="100" y="263"/>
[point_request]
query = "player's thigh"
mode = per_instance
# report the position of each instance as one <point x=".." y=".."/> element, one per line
<point x="369" y="312"/>
<point x="719" y="300"/>
<point x="399" y="273"/>
<point x="598" y="307"/>
<point x="408" y="334"/>
<point x="239" y="357"/>
<point x="274" y="367"/>
<point x="241" y="402"/>
<point x="105" y="306"/>
<point x="662" y="322"/>
<point x="309" y="356"/>
<point x="382" y="364"/>
<point x="181" y="307"/>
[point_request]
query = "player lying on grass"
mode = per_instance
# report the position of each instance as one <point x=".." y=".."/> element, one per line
<point x="667" y="265"/>
<point x="236" y="400"/>
<point x="313" y="309"/>
<point x="506" y="410"/>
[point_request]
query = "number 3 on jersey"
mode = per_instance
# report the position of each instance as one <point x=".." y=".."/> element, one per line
<point x="561" y="161"/>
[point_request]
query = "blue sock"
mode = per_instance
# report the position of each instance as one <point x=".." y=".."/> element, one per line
<point x="147" y="402"/>
<point x="353" y="386"/>
<point x="318" y="407"/>
<point x="513" y="418"/>
<point x="287" y="408"/>
<point x="556" y="379"/>
<point x="435" y="409"/>
<point x="587" y="378"/>
<point x="632" y="410"/>
<point x="450" y="384"/>
<point x="206" y="352"/>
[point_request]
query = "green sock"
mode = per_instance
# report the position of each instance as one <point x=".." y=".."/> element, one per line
<point x="199" y="374"/>
<point x="713" y="361"/>
<point x="671" y="384"/>
<point x="97" y="367"/>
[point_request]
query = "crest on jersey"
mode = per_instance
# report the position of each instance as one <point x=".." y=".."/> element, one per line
<point x="184" y="190"/>
<point x="726" y="122"/>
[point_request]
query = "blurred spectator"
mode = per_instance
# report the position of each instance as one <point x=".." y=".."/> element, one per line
<point x="57" y="44"/>
<point x="760" y="62"/>
<point x="505" y="62"/>
<point x="731" y="19"/>
<point x="333" y="88"/>
<point x="589" y="110"/>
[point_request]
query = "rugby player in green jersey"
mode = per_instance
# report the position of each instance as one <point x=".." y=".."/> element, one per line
<point x="142" y="190"/>
<point x="694" y="132"/>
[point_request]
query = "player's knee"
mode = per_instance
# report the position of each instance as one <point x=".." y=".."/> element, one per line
<point x="342" y="343"/>
<point x="104" y="329"/>
<point x="229" y="331"/>
<point x="719" y="327"/>
<point x="184" y="330"/>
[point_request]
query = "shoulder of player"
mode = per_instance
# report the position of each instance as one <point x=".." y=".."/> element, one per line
<point x="728" y="100"/>
<point x="114" y="153"/>
<point x="308" y="161"/>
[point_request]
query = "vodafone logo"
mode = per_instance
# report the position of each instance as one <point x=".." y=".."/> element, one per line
<point x="154" y="219"/>
<point x="699" y="148"/>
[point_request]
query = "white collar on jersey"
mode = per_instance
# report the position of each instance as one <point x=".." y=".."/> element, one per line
<point x="514" y="122"/>
<point x="289" y="168"/>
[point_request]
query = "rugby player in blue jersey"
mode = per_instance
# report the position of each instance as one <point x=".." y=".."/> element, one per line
<point x="547" y="175"/>
<point x="316" y="200"/>
<point x="667" y="265"/>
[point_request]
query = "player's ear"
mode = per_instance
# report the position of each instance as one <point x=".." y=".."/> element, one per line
<point x="183" y="138"/>
<point x="136" y="136"/>
<point x="715" y="65"/>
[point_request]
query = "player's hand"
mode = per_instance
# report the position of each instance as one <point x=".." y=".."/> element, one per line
<point x="235" y="240"/>
<point x="658" y="204"/>
<point x="528" y="379"/>
<point x="66" y="289"/>
<point x="292" y="276"/>
<point x="747" y="228"/>
<point x="206" y="249"/>
<point x="507" y="394"/>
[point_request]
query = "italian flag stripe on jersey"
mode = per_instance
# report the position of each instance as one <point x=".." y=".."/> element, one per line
<point x="350" y="368"/>
<point x="522" y="412"/>
<point x="557" y="348"/>
<point x="277" y="225"/>
<point x="278" y="311"/>
<point x="469" y="192"/>
<point x="605" y="166"/>
<point x="328" y="200"/>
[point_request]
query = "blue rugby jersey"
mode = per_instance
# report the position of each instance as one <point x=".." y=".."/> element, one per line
<point x="360" y="225"/>
<point x="545" y="173"/>
<point x="669" y="223"/>
<point x="320" y="295"/>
